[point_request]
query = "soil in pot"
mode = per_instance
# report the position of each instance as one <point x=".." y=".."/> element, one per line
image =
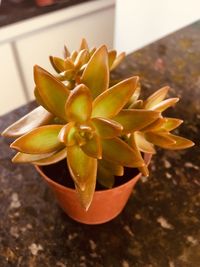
<point x="59" y="173"/>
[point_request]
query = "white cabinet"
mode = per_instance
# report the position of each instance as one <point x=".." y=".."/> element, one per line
<point x="96" y="27"/>
<point x="30" y="42"/>
<point x="11" y="90"/>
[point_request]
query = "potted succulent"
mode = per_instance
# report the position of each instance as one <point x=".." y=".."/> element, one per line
<point x="97" y="130"/>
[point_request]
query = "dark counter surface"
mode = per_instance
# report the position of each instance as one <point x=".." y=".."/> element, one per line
<point x="12" y="11"/>
<point x="160" y="226"/>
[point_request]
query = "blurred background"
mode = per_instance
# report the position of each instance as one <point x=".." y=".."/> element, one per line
<point x="31" y="30"/>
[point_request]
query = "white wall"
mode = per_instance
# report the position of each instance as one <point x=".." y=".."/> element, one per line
<point x="139" y="22"/>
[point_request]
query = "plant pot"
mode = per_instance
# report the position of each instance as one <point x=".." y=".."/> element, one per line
<point x="105" y="206"/>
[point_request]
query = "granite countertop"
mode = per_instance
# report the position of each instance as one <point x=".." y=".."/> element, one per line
<point x="160" y="226"/>
<point x="12" y="11"/>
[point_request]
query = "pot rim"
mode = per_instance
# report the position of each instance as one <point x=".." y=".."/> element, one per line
<point x="147" y="158"/>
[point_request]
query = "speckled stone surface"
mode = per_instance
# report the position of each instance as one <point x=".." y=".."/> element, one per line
<point x="160" y="226"/>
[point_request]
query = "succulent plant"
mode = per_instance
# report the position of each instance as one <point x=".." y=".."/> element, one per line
<point x="70" y="69"/>
<point x="85" y="120"/>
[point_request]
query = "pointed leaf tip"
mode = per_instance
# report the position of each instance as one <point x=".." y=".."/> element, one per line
<point x="171" y="124"/>
<point x="41" y="140"/>
<point x="96" y="73"/>
<point x="135" y="119"/>
<point x="27" y="158"/>
<point x="83" y="45"/>
<point x="37" y="117"/>
<point x="180" y="143"/>
<point x="156" y="97"/>
<point x="110" y="102"/>
<point x="118" y="60"/>
<point x="159" y="138"/>
<point x="82" y="167"/>
<point x="165" y="104"/>
<point x="111" y="57"/>
<point x="142" y="144"/>
<point x="66" y="52"/>
<point x="56" y="157"/>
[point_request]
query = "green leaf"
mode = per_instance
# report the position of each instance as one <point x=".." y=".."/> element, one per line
<point x="137" y="105"/>
<point x="156" y="97"/>
<point x="110" y="102"/>
<point x="118" y="60"/>
<point x="134" y="97"/>
<point x="82" y="168"/>
<point x="66" y="52"/>
<point x="107" y="128"/>
<point x="120" y="152"/>
<point x="67" y="134"/>
<point x="79" y="104"/>
<point x="73" y="55"/>
<point x="66" y="76"/>
<point x="113" y="167"/>
<point x="40" y="100"/>
<point x="142" y="144"/>
<point x="155" y="126"/>
<point x="163" y="124"/>
<point x="171" y="124"/>
<point x="56" y="157"/>
<point x="69" y="64"/>
<point x="111" y="57"/>
<point x="82" y="58"/>
<point x="53" y="65"/>
<point x="133" y="144"/>
<point x="165" y="104"/>
<point x="57" y="63"/>
<point x="24" y="157"/>
<point x="159" y="138"/>
<point x="144" y="170"/>
<point x="86" y="195"/>
<point x="105" y="177"/>
<point x="83" y="45"/>
<point x="52" y="92"/>
<point x="37" y="117"/>
<point x="93" y="147"/>
<point x="39" y="141"/>
<point x="135" y="119"/>
<point x="180" y="143"/>
<point x="92" y="50"/>
<point x="96" y="73"/>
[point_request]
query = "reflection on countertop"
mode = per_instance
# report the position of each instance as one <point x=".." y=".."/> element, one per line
<point x="14" y="11"/>
<point x="160" y="225"/>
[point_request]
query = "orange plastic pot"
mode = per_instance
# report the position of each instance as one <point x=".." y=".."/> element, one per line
<point x="106" y="204"/>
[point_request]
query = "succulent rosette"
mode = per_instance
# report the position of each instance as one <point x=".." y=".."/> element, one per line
<point x="97" y="128"/>
<point x="70" y="68"/>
